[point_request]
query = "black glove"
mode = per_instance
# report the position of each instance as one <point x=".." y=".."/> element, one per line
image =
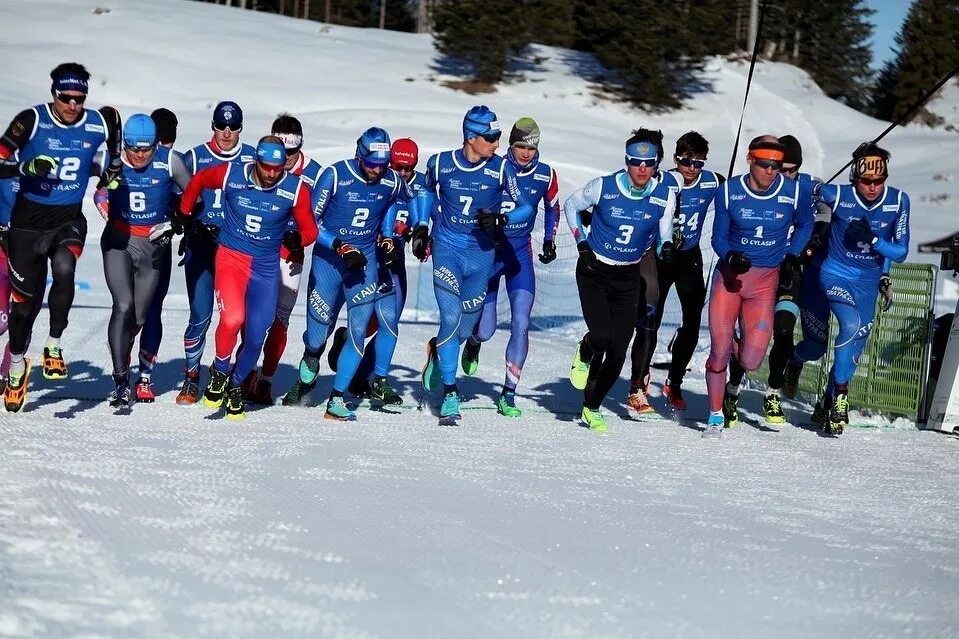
<point x="489" y="221"/>
<point x="4" y="230"/>
<point x="351" y="256"/>
<point x="293" y="241"/>
<point x="738" y="261"/>
<point x="586" y="216"/>
<point x="586" y="256"/>
<point x="817" y="240"/>
<point x="885" y="289"/>
<point x="206" y="232"/>
<point x="40" y="166"/>
<point x="549" y="252"/>
<point x="181" y="251"/>
<point x="860" y="231"/>
<point x="111" y="177"/>
<point x="181" y="223"/>
<point x="788" y="271"/>
<point x="421" y="243"/>
<point x="388" y="252"/>
<point x="668" y="252"/>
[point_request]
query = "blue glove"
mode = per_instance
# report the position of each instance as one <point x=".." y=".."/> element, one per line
<point x="860" y="231"/>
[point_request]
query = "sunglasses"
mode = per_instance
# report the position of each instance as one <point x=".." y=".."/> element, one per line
<point x="647" y="162"/>
<point x="492" y="137"/>
<point x="872" y="181"/>
<point x="768" y="164"/>
<point x="691" y="162"/>
<point x="372" y="166"/>
<point x="227" y="127"/>
<point x="140" y="149"/>
<point x="68" y="99"/>
<point x="404" y="168"/>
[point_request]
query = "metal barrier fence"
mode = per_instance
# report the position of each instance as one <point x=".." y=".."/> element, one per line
<point x="892" y="372"/>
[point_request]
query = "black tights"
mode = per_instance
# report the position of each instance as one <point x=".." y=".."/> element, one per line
<point x="609" y="296"/>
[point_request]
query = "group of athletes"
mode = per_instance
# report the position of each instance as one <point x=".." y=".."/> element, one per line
<point x="787" y="247"/>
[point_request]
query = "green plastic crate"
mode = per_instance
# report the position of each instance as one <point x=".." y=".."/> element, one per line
<point x="893" y="369"/>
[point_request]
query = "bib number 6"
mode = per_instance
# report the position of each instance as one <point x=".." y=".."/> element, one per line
<point x="138" y="201"/>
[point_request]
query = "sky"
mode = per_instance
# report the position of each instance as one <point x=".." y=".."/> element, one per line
<point x="887" y="19"/>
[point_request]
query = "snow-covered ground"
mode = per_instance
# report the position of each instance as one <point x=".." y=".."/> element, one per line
<point x="173" y="522"/>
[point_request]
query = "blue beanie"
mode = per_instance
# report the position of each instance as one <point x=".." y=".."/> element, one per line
<point x="228" y="114"/>
<point x="139" y="131"/>
<point x="480" y="121"/>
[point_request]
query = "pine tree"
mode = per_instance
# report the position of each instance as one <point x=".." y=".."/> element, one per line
<point x="482" y="33"/>
<point x="829" y="40"/>
<point x="549" y="22"/>
<point x="928" y="48"/>
<point x="650" y="65"/>
<point x="709" y="25"/>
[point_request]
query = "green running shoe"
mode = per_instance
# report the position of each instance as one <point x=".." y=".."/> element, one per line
<point x="451" y="405"/>
<point x="731" y="409"/>
<point x="594" y="419"/>
<point x="234" y="403"/>
<point x="431" y="369"/>
<point x="470" y="358"/>
<point x="213" y="395"/>
<point x="506" y="405"/>
<point x="336" y="409"/>
<point x="774" y="410"/>
<point x="838" y="415"/>
<point x="381" y="390"/>
<point x="579" y="371"/>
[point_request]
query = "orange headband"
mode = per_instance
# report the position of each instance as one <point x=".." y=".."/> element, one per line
<point x="767" y="154"/>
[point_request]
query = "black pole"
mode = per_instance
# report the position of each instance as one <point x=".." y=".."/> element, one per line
<point x="749" y="81"/>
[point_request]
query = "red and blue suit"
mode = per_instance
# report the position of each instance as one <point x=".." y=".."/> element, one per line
<point x="201" y="243"/>
<point x="758" y="225"/>
<point x="291" y="271"/>
<point x="247" y="271"/>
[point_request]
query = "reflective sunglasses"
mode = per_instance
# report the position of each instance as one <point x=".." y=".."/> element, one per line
<point x="139" y="149"/>
<point x="404" y="168"/>
<point x="691" y="162"/>
<point x="227" y="127"/>
<point x="492" y="137"/>
<point x="67" y="99"/>
<point x="768" y="164"/>
<point x="647" y="162"/>
<point x="872" y="181"/>
<point x="373" y="165"/>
